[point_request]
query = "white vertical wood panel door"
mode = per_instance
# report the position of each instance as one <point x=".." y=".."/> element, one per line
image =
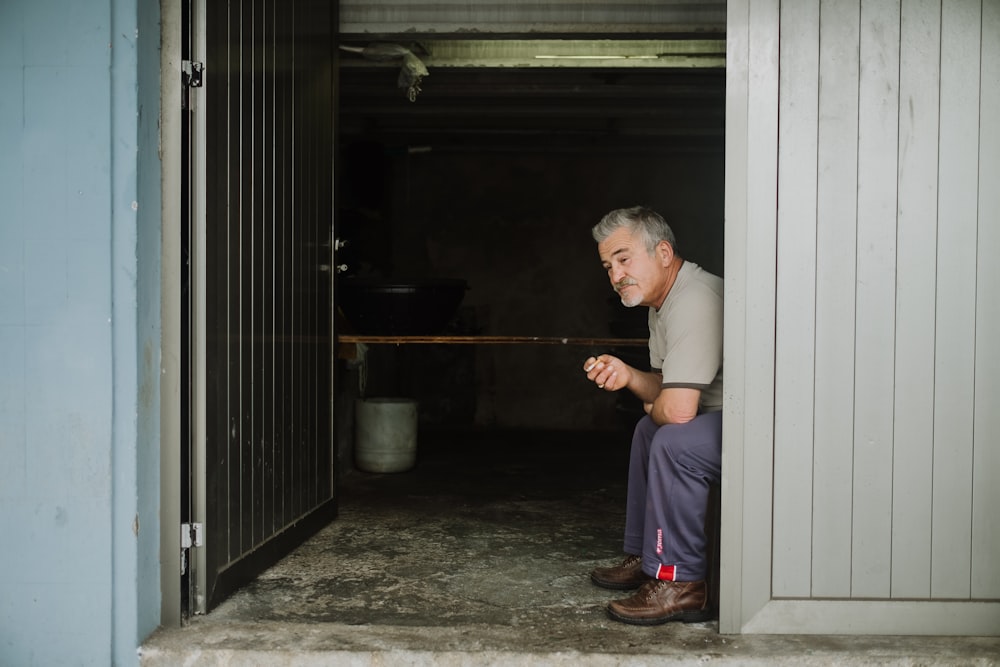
<point x="954" y="353"/>
<point x="796" y="293"/>
<point x="751" y="210"/>
<point x="836" y="269"/>
<point x="884" y="439"/>
<point x="878" y="108"/>
<point x="916" y="251"/>
<point x="986" y="424"/>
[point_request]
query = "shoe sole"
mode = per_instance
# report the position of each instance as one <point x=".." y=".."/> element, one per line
<point x="615" y="585"/>
<point x="696" y="616"/>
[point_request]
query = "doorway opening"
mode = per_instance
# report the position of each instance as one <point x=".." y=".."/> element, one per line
<point x="494" y="175"/>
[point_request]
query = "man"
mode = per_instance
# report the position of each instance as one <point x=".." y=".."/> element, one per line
<point x="677" y="446"/>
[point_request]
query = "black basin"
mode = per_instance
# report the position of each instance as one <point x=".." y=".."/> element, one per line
<point x="381" y="307"/>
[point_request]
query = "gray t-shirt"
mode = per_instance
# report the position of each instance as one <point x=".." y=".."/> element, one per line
<point x="685" y="335"/>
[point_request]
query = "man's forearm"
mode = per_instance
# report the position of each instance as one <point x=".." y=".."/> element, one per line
<point x="645" y="385"/>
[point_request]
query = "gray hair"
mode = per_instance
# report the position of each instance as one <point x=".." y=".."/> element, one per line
<point x="649" y="224"/>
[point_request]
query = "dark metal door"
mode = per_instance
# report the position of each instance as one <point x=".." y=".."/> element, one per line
<point x="268" y="189"/>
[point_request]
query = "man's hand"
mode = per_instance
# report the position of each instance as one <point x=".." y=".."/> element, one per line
<point x="607" y="372"/>
<point x="611" y="374"/>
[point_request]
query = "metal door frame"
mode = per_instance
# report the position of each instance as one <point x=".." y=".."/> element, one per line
<point x="198" y="259"/>
<point x="183" y="372"/>
<point x="170" y="315"/>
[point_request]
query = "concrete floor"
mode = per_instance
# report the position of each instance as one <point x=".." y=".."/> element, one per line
<point x="481" y="555"/>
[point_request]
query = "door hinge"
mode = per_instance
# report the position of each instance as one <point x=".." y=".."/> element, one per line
<point x="192" y="535"/>
<point x="191" y="73"/>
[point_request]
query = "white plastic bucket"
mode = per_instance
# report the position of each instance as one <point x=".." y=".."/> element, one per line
<point x="386" y="434"/>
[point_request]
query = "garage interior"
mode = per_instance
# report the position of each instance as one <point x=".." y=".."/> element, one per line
<point x="494" y="175"/>
<point x="489" y="166"/>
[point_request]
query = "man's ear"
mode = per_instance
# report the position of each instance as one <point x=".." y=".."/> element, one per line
<point x="665" y="252"/>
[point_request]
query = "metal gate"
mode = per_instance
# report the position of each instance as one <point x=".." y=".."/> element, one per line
<point x="262" y="187"/>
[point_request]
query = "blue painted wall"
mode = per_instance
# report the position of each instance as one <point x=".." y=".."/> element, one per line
<point x="79" y="252"/>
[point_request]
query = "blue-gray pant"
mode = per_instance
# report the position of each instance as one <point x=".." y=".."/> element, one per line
<point x="670" y="473"/>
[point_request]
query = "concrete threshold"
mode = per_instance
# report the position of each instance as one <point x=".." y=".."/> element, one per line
<point x="306" y="645"/>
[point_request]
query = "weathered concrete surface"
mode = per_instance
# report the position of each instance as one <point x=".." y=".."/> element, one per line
<point x="481" y="555"/>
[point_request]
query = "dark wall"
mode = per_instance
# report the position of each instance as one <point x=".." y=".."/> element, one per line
<point x="516" y="226"/>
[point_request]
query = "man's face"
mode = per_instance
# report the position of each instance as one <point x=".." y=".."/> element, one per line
<point x="633" y="272"/>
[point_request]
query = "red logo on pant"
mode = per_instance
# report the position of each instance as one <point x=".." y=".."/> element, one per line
<point x="667" y="572"/>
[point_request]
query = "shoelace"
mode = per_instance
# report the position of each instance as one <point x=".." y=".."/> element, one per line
<point x="654" y="586"/>
<point x="630" y="560"/>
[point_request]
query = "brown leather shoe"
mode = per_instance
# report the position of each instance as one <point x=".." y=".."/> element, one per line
<point x="661" y="601"/>
<point x="627" y="574"/>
